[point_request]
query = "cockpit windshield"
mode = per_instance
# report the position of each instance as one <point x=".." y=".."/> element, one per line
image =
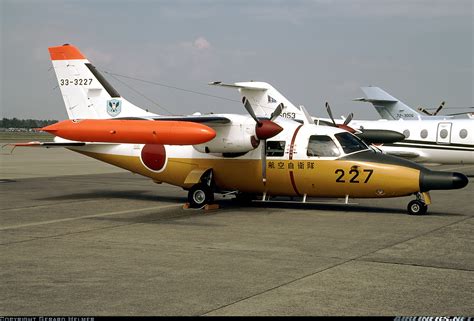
<point x="350" y="143"/>
<point x="322" y="146"/>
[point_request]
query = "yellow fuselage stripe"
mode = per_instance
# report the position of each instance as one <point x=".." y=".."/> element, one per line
<point x="318" y="178"/>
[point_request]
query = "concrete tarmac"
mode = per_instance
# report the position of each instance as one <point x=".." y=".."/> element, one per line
<point x="118" y="244"/>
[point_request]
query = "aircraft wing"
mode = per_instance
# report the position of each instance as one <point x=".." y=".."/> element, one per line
<point x="47" y="144"/>
<point x="402" y="153"/>
<point x="203" y="119"/>
<point x="44" y="145"/>
<point x="467" y="114"/>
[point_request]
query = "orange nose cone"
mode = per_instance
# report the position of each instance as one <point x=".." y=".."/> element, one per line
<point x="51" y="128"/>
<point x="185" y="133"/>
<point x="207" y="134"/>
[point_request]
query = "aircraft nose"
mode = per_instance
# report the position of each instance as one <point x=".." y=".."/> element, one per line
<point x="432" y="180"/>
<point x="459" y="180"/>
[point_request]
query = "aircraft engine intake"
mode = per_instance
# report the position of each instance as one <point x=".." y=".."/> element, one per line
<point x="239" y="140"/>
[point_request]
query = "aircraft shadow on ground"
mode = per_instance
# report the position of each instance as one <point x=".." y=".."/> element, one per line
<point x="139" y="195"/>
<point x="330" y="207"/>
<point x="169" y="216"/>
<point x="232" y="204"/>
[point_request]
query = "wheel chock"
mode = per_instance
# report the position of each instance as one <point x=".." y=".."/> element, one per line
<point x="211" y="207"/>
<point x="207" y="207"/>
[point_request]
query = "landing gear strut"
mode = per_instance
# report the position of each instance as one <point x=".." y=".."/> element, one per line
<point x="418" y="206"/>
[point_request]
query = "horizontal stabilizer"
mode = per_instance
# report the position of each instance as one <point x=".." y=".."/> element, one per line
<point x="366" y="100"/>
<point x="241" y="85"/>
<point x="375" y="94"/>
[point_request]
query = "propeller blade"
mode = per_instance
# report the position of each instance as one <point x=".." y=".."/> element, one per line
<point x="263" y="156"/>
<point x="328" y="108"/>
<point x="424" y="111"/>
<point x="348" y="119"/>
<point x="439" y="108"/>
<point x="277" y="112"/>
<point x="249" y="109"/>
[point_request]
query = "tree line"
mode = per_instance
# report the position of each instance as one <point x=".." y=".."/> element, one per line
<point x="25" y="123"/>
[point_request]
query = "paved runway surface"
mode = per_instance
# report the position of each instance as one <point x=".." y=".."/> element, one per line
<point x="118" y="244"/>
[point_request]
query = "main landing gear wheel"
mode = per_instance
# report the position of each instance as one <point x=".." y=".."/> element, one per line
<point x="417" y="207"/>
<point x="200" y="195"/>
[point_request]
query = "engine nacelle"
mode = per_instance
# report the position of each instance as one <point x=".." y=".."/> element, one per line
<point x="237" y="137"/>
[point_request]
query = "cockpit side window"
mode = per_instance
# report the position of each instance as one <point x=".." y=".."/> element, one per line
<point x="350" y="143"/>
<point x="322" y="146"/>
<point x="275" y="148"/>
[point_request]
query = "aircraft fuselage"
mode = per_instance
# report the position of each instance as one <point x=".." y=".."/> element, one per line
<point x="292" y="168"/>
<point x="448" y="141"/>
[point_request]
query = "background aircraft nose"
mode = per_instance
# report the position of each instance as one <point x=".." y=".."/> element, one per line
<point x="431" y="180"/>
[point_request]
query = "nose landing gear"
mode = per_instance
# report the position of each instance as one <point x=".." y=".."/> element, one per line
<point x="417" y="207"/>
<point x="420" y="205"/>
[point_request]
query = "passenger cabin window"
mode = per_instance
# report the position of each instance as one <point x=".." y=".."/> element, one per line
<point x="350" y="143"/>
<point x="276" y="148"/>
<point x="424" y="133"/>
<point x="322" y="146"/>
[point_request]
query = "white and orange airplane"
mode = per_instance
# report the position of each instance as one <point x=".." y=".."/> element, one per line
<point x="242" y="154"/>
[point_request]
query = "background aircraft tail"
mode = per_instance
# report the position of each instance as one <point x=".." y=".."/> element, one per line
<point x="86" y="93"/>
<point x="264" y="98"/>
<point x="388" y="106"/>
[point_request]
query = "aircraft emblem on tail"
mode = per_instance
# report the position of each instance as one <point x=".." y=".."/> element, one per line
<point x="271" y="99"/>
<point x="114" y="107"/>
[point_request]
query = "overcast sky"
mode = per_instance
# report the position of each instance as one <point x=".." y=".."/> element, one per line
<point x="420" y="51"/>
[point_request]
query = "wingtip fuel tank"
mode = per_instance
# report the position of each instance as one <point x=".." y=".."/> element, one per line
<point x="132" y="131"/>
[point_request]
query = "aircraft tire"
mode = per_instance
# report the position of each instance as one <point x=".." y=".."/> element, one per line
<point x="417" y="207"/>
<point x="200" y="195"/>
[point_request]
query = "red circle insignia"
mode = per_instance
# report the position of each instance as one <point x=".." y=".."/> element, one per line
<point x="153" y="156"/>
